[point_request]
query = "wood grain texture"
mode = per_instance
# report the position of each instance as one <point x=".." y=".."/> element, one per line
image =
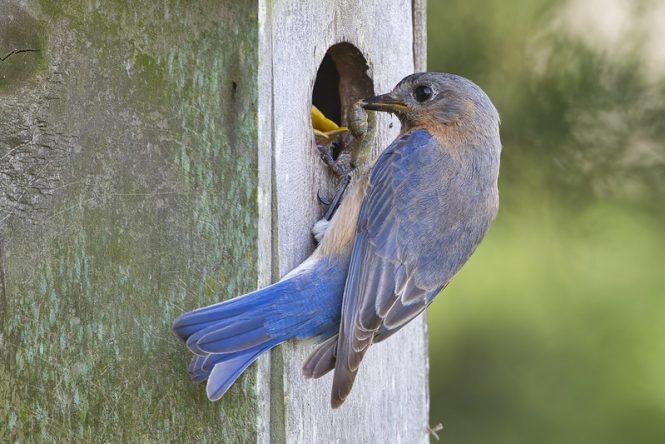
<point x="129" y="143"/>
<point x="420" y="35"/>
<point x="156" y="157"/>
<point x="389" y="402"/>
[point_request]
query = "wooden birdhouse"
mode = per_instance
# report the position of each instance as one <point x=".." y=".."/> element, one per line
<point x="159" y="156"/>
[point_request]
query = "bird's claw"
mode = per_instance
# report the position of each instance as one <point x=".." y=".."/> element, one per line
<point x="337" y="198"/>
<point x="322" y="200"/>
<point x="355" y="150"/>
<point x="326" y="152"/>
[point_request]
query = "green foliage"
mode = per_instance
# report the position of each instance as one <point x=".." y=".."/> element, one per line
<point x="586" y="122"/>
<point x="555" y="330"/>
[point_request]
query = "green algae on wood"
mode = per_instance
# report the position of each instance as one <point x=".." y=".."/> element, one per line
<point x="22" y="40"/>
<point x="145" y="114"/>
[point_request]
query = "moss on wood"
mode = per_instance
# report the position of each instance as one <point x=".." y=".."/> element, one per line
<point x="133" y="199"/>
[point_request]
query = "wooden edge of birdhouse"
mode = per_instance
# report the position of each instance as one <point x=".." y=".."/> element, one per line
<point x="390" y="401"/>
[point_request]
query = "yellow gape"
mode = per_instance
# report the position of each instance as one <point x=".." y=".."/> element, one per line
<point x="324" y="128"/>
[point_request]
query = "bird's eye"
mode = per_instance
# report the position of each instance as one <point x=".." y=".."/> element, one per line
<point x="422" y="93"/>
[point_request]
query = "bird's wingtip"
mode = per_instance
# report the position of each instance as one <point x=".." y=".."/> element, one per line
<point x="336" y="401"/>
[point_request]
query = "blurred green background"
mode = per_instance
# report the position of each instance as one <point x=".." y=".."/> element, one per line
<point x="554" y="331"/>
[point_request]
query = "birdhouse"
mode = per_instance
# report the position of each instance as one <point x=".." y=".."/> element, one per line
<point x="159" y="156"/>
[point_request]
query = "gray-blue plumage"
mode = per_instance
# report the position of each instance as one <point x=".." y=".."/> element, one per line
<point x="394" y="244"/>
<point x="428" y="204"/>
<point x="227" y="337"/>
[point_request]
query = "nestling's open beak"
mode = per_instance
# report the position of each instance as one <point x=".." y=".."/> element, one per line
<point x="384" y="102"/>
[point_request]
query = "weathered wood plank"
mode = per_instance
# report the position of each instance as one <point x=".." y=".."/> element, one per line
<point x="129" y="194"/>
<point x="390" y="398"/>
<point x="420" y="35"/>
<point x="157" y="157"/>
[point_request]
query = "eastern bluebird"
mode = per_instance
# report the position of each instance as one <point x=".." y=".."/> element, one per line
<point x="398" y="237"/>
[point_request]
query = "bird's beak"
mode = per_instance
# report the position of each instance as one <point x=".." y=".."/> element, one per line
<point x="384" y="102"/>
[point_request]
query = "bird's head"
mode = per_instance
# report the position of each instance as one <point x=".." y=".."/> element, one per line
<point x="431" y="99"/>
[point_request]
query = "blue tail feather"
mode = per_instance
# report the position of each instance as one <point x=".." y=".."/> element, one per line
<point x="190" y="323"/>
<point x="227" y="337"/>
<point x="225" y="373"/>
<point x="236" y="335"/>
<point x="201" y="366"/>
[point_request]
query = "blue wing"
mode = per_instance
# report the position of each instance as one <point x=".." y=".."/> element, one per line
<point x="417" y="226"/>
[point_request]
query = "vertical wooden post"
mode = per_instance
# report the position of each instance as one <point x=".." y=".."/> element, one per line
<point x="156" y="157"/>
<point x="128" y="194"/>
<point x="390" y="398"/>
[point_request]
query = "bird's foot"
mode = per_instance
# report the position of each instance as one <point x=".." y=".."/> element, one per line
<point x="344" y="150"/>
<point x="337" y="198"/>
<point x="320" y="228"/>
<point x="327" y="153"/>
<point x="331" y="205"/>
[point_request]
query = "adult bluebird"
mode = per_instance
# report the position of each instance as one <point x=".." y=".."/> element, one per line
<point x="398" y="237"/>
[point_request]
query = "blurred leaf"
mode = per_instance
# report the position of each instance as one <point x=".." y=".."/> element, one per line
<point x="555" y="329"/>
